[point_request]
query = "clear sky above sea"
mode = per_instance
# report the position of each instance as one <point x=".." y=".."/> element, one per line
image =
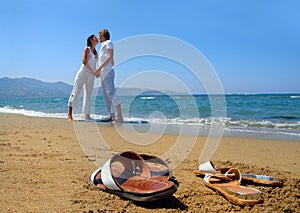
<point x="253" y="45"/>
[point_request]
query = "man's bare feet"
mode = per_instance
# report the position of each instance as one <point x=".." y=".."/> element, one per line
<point x="87" y="117"/>
<point x="119" y="120"/>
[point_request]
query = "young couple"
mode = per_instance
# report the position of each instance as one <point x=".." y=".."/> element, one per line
<point x="87" y="73"/>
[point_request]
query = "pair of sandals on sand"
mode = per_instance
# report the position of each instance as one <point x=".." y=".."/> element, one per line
<point x="141" y="177"/>
<point x="228" y="181"/>
<point x="138" y="177"/>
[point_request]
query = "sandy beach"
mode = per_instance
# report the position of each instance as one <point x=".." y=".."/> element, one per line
<point x="43" y="168"/>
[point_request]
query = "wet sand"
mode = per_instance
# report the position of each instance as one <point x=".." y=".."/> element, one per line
<point x="44" y="168"/>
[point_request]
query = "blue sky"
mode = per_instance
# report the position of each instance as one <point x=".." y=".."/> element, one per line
<point x="253" y="45"/>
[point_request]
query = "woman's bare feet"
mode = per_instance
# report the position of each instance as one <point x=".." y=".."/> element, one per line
<point x="70" y="118"/>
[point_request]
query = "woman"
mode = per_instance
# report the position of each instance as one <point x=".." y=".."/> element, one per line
<point x="107" y="74"/>
<point x="85" y="78"/>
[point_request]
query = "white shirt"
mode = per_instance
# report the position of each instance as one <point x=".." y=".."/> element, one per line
<point x="103" y="53"/>
<point x="92" y="61"/>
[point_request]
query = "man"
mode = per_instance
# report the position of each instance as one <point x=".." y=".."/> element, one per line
<point x="107" y="75"/>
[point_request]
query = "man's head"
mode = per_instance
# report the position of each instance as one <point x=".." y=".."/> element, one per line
<point x="104" y="35"/>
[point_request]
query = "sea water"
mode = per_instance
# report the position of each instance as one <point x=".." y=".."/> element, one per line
<point x="270" y="116"/>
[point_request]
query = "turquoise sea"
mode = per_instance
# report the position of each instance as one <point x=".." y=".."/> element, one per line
<point x="271" y="116"/>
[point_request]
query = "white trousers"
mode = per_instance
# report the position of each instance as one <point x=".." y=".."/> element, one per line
<point x="84" y="80"/>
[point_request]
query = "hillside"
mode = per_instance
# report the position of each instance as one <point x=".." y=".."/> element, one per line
<point x="32" y="88"/>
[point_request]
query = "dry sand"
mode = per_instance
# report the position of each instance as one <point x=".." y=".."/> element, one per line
<point x="44" y="169"/>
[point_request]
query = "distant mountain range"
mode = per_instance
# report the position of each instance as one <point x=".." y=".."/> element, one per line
<point x="32" y="88"/>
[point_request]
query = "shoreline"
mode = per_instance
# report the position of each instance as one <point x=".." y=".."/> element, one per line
<point x="194" y="129"/>
<point x="239" y="132"/>
<point x="44" y="168"/>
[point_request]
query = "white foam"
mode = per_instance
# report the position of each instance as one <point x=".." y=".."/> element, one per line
<point x="147" y="98"/>
<point x="11" y="110"/>
<point x="294" y="96"/>
<point x="231" y="125"/>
